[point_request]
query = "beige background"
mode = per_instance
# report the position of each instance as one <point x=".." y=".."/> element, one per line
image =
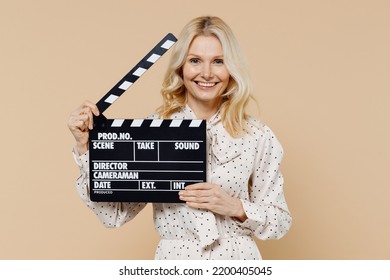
<point x="321" y="73"/>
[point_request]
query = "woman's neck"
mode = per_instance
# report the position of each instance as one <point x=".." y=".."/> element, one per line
<point x="204" y="111"/>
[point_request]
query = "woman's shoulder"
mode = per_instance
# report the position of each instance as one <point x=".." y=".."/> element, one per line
<point x="256" y="126"/>
<point x="259" y="130"/>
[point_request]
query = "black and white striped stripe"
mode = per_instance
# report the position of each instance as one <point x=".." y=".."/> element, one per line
<point x="122" y="123"/>
<point x="129" y="79"/>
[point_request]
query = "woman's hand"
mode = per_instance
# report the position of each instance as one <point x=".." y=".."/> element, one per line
<point x="80" y="122"/>
<point x="212" y="197"/>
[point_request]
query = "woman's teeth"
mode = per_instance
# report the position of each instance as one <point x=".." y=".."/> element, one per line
<point x="202" y="84"/>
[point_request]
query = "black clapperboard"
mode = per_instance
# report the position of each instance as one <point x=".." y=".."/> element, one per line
<point x="144" y="160"/>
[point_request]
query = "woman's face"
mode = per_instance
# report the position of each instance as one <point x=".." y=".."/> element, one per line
<point x="205" y="75"/>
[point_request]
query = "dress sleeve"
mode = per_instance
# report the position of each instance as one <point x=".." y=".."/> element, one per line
<point x="111" y="214"/>
<point x="266" y="208"/>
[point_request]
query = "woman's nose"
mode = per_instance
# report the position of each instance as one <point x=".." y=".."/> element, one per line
<point x="207" y="71"/>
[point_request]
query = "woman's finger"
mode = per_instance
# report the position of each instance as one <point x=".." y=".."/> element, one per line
<point x="91" y="106"/>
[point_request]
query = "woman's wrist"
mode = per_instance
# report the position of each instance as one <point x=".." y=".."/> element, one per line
<point x="240" y="212"/>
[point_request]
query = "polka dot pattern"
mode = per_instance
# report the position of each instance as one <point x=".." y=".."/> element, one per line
<point x="247" y="168"/>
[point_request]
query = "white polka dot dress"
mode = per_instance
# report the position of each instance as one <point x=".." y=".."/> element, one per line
<point x="246" y="168"/>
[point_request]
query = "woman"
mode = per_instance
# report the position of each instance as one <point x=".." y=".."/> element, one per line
<point x="243" y="195"/>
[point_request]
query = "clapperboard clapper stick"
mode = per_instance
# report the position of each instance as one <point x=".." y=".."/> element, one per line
<point x="144" y="160"/>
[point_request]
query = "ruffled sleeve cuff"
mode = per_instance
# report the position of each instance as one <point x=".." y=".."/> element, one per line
<point x="254" y="220"/>
<point x="82" y="161"/>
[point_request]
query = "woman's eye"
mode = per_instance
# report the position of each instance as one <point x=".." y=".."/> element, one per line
<point x="194" y="60"/>
<point x="218" y="61"/>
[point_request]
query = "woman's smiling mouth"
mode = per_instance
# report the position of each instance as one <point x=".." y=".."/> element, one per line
<point x="205" y="84"/>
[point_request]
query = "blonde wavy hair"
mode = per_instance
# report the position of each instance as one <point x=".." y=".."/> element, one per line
<point x="239" y="89"/>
